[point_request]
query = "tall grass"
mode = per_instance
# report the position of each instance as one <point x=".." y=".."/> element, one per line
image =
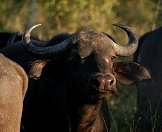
<point x="123" y="111"/>
<point x="154" y="115"/>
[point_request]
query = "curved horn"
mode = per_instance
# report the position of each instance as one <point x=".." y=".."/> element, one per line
<point x="132" y="45"/>
<point x="12" y="39"/>
<point x="44" y="51"/>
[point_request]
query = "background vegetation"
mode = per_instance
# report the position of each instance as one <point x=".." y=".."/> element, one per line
<point x="70" y="16"/>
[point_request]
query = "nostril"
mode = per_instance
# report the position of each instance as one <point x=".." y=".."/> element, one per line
<point x="111" y="82"/>
<point x="95" y="81"/>
<point x="110" y="79"/>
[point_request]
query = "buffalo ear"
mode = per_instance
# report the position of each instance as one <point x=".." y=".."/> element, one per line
<point x="128" y="73"/>
<point x="36" y="69"/>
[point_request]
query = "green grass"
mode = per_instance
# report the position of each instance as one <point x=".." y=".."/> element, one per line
<point x="124" y="117"/>
<point x="122" y="110"/>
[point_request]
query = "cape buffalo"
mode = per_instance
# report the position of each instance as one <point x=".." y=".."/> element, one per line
<point x="149" y="93"/>
<point x="13" y="86"/>
<point x="8" y="38"/>
<point x="71" y="79"/>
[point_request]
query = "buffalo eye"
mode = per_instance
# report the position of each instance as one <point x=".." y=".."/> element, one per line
<point x="113" y="58"/>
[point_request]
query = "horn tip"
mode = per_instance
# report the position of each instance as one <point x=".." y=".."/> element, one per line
<point x="30" y="29"/>
<point x="124" y="27"/>
<point x="118" y="24"/>
<point x="37" y="25"/>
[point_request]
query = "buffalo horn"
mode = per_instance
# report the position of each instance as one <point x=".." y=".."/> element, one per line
<point x="132" y="45"/>
<point x="43" y="51"/>
<point x="12" y="39"/>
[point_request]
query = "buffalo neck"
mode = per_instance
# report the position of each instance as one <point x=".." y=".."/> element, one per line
<point x="87" y="118"/>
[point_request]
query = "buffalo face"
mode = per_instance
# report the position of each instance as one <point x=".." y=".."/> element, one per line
<point x="85" y="62"/>
<point x="90" y="66"/>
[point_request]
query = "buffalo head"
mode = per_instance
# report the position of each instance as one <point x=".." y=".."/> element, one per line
<point x="85" y="63"/>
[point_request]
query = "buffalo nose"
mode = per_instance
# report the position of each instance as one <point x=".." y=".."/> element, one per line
<point x="103" y="81"/>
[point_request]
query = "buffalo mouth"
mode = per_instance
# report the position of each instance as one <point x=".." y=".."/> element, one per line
<point x="97" y="94"/>
<point x="107" y="92"/>
<point x="89" y="92"/>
